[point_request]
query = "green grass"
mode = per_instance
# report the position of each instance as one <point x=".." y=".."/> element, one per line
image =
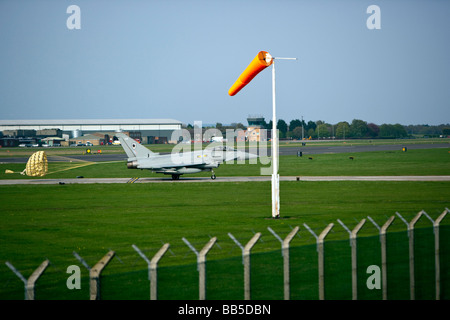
<point x="412" y="162"/>
<point x="354" y="142"/>
<point x="52" y="221"/>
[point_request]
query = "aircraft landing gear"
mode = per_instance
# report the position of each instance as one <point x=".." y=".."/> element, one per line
<point x="213" y="176"/>
<point x="175" y="177"/>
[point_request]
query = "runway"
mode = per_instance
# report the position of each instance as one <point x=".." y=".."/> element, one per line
<point x="187" y="179"/>
<point x="283" y="151"/>
<point x="220" y="179"/>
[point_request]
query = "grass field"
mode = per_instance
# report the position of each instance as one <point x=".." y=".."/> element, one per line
<point x="412" y="162"/>
<point x="52" y="221"/>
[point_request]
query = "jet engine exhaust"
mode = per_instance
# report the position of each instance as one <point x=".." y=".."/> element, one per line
<point x="132" y="165"/>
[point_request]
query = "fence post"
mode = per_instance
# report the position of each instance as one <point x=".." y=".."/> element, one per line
<point x="202" y="267"/>
<point x="31" y="282"/>
<point x="353" y="245"/>
<point x="94" y="275"/>
<point x="34" y="277"/>
<point x="286" y="242"/>
<point x="412" y="281"/>
<point x="320" y="241"/>
<point x="246" y="254"/>
<point x="154" y="271"/>
<point x="201" y="264"/>
<point x="355" y="258"/>
<point x="153" y="268"/>
<point x="384" y="255"/>
<point x="436" y="253"/>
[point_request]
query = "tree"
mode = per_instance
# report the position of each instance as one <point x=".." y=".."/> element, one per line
<point x="294" y="124"/>
<point x="311" y="125"/>
<point x="342" y="130"/>
<point x="358" y="129"/>
<point x="373" y="130"/>
<point x="400" y="131"/>
<point x="322" y="130"/>
<point x="282" y="128"/>
<point x="392" y="131"/>
<point x="238" y="125"/>
<point x="312" y="133"/>
<point x="297" y="133"/>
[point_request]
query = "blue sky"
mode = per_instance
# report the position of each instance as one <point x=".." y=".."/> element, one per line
<point x="177" y="59"/>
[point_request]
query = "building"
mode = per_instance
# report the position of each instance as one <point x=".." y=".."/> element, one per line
<point x="88" y="139"/>
<point x="256" y="130"/>
<point x="55" y="142"/>
<point x="147" y="129"/>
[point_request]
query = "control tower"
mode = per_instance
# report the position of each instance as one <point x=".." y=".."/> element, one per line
<point x="256" y="128"/>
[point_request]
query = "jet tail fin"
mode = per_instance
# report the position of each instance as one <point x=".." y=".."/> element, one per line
<point x="132" y="148"/>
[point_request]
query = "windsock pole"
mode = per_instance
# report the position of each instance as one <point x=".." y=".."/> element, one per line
<point x="262" y="60"/>
<point x="275" y="162"/>
<point x="275" y="175"/>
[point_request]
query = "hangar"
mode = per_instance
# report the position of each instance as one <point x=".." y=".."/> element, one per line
<point x="148" y="130"/>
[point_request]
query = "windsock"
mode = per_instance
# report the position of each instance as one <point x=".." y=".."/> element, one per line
<point x="262" y="60"/>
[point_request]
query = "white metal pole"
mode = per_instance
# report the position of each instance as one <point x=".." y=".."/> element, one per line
<point x="275" y="175"/>
<point x="275" y="180"/>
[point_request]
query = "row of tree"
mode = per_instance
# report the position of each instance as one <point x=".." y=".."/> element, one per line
<point x="357" y="129"/>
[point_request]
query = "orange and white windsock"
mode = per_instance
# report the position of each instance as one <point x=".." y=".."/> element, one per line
<point x="262" y="60"/>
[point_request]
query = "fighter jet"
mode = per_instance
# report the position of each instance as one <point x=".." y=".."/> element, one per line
<point x="177" y="164"/>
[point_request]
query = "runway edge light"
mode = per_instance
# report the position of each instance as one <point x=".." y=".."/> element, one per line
<point x="262" y="60"/>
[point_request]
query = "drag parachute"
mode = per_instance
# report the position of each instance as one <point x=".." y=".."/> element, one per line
<point x="37" y="165"/>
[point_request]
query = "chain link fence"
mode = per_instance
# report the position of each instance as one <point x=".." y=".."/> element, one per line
<point x="356" y="261"/>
